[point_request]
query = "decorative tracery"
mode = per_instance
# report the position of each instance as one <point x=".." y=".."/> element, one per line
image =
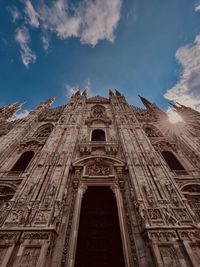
<point x="98" y="111"/>
<point x="44" y="131"/>
<point x="192" y="193"/>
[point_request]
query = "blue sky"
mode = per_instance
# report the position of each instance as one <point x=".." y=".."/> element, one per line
<point x="147" y="47"/>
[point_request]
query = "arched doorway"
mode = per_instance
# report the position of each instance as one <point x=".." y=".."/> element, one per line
<point x="99" y="240"/>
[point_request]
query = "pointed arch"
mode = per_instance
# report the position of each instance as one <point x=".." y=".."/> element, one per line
<point x="172" y="161"/>
<point x="85" y="160"/>
<point x="191" y="188"/>
<point x="98" y="135"/>
<point x="44" y="130"/>
<point x="6" y="193"/>
<point x="23" y="162"/>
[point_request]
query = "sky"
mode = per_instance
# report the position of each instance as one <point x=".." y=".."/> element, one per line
<point x="53" y="47"/>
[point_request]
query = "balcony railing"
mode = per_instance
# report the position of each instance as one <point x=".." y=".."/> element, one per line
<point x="88" y="147"/>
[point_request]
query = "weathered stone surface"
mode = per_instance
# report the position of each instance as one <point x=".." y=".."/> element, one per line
<point x="158" y="199"/>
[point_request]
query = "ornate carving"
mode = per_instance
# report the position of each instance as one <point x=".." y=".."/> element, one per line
<point x="162" y="236"/>
<point x="169" y="216"/>
<point x="188" y="235"/>
<point x="44" y="131"/>
<point x="169" y="256"/>
<point x="3" y="251"/>
<point x="196" y="253"/>
<point x="155" y="215"/>
<point x="164" y="145"/>
<point x="29" y="257"/>
<point x="31" y="145"/>
<point x="4" y="209"/>
<point x="42" y="217"/>
<point x="57" y="212"/>
<point x="98" y="99"/>
<point x="148" y="194"/>
<point x="51" y="190"/>
<point x="35" y="235"/>
<point x="98" y="111"/>
<point x="172" y="194"/>
<point x="10" y="236"/>
<point x="65" y="254"/>
<point x="97" y="170"/>
<point x="182" y="215"/>
<point x="51" y="115"/>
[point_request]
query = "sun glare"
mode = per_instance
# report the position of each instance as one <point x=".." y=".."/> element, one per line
<point x="173" y="116"/>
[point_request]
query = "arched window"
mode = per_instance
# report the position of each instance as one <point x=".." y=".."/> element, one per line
<point x="172" y="161"/>
<point x="98" y="135"/>
<point x="44" y="130"/>
<point x="23" y="161"/>
<point x="191" y="188"/>
<point x="98" y="111"/>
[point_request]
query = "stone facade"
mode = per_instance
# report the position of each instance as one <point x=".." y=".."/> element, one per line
<point x="50" y="158"/>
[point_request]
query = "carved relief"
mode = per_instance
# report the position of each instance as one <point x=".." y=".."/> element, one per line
<point x="65" y="253"/>
<point x="162" y="236"/>
<point x="8" y="237"/>
<point x="172" y="194"/>
<point x="148" y="195"/>
<point x="14" y="217"/>
<point x="44" y="131"/>
<point x="169" y="256"/>
<point x="182" y="215"/>
<point x="155" y="215"/>
<point x="51" y="114"/>
<point x="29" y="257"/>
<point x="97" y="169"/>
<point x="3" y="251"/>
<point x="169" y="216"/>
<point x="98" y="111"/>
<point x="196" y="253"/>
<point x="31" y="145"/>
<point x="42" y="217"/>
<point x="164" y="145"/>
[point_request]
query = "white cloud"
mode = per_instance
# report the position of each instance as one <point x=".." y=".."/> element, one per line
<point x="187" y="90"/>
<point x="22" y="37"/>
<point x="56" y="18"/>
<point x="197" y="7"/>
<point x="31" y="15"/>
<point x="72" y="89"/>
<point x="173" y="116"/>
<point x="91" y="21"/>
<point x="99" y="20"/>
<point x="45" y="40"/>
<point x="20" y="115"/>
<point x="14" y="13"/>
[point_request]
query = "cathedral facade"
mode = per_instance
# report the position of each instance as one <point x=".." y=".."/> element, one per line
<point x="99" y="183"/>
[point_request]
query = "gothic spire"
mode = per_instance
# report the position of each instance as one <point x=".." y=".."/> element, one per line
<point x="84" y="93"/>
<point x="46" y="104"/>
<point x="111" y="93"/>
<point x="9" y="110"/>
<point x="147" y="103"/>
<point x="117" y="93"/>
